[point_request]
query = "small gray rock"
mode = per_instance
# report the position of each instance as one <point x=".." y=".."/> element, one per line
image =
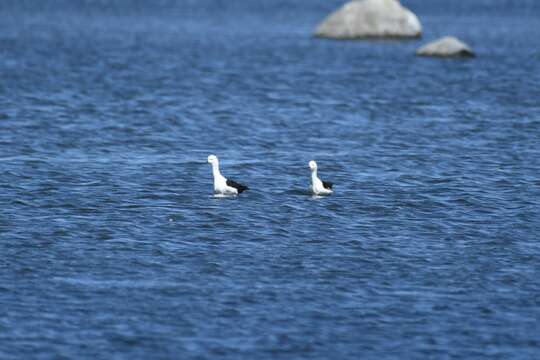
<point x="447" y="46"/>
<point x="369" y="19"/>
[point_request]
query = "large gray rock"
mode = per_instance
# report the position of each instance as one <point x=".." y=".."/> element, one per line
<point x="447" y="46"/>
<point x="368" y="19"/>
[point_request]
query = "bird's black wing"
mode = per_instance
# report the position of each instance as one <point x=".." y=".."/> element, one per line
<point x="237" y="186"/>
<point x="327" y="185"/>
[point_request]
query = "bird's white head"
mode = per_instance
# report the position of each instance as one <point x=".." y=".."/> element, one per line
<point x="313" y="165"/>
<point x="212" y="159"/>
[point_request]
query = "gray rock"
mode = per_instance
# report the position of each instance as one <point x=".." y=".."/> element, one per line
<point x="370" y="19"/>
<point x="447" y="46"/>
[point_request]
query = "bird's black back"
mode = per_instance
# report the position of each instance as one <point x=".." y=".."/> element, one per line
<point x="237" y="186"/>
<point x="327" y="185"/>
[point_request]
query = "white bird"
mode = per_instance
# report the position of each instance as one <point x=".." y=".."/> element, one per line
<point x="318" y="187"/>
<point x="223" y="186"/>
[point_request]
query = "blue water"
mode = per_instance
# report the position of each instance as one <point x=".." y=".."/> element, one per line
<point x="112" y="245"/>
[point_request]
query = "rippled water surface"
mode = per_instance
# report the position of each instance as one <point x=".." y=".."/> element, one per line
<point x="112" y="245"/>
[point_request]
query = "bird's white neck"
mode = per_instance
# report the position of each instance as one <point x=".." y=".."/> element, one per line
<point x="314" y="175"/>
<point x="215" y="170"/>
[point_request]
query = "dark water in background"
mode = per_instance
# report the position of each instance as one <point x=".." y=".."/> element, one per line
<point x="111" y="244"/>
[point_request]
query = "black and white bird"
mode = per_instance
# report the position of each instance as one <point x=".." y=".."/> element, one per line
<point x="318" y="187"/>
<point x="223" y="186"/>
